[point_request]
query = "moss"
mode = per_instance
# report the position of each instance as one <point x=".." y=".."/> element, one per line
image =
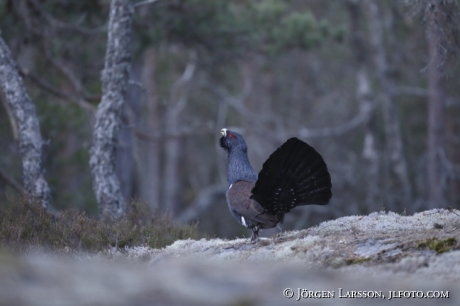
<point x="439" y="246"/>
<point x="24" y="224"/>
<point x="353" y="261"/>
<point x="339" y="262"/>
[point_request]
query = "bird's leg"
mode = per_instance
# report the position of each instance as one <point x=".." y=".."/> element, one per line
<point x="255" y="234"/>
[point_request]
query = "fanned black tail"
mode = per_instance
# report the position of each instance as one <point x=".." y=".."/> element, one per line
<point x="295" y="174"/>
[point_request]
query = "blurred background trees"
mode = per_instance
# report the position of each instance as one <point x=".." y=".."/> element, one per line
<point x="372" y="85"/>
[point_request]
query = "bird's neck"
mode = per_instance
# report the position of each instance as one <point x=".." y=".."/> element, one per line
<point x="239" y="168"/>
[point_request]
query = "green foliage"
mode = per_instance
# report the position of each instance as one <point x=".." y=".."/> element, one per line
<point x="24" y="224"/>
<point x="297" y="29"/>
<point x="67" y="131"/>
<point x="214" y="25"/>
<point x="233" y="28"/>
<point x="268" y="11"/>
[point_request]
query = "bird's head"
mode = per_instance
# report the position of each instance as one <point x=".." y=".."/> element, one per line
<point x="231" y="140"/>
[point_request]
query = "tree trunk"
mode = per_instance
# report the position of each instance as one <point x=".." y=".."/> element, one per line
<point x="149" y="153"/>
<point x="124" y="156"/>
<point x="172" y="180"/>
<point x="365" y="98"/>
<point x="114" y="83"/>
<point x="174" y="145"/>
<point x="30" y="141"/>
<point x="435" y="17"/>
<point x="392" y="128"/>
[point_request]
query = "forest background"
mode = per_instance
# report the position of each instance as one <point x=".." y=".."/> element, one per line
<point x="372" y="85"/>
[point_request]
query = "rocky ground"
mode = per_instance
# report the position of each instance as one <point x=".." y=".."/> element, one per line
<point x="363" y="255"/>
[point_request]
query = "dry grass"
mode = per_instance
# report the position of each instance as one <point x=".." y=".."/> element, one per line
<point x="24" y="225"/>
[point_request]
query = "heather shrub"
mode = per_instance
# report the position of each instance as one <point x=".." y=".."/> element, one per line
<point x="25" y="224"/>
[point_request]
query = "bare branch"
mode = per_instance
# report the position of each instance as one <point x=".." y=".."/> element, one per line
<point x="12" y="182"/>
<point x="179" y="90"/>
<point x="359" y="119"/>
<point x="144" y="3"/>
<point x="66" y="72"/>
<point x="237" y="103"/>
<point x="69" y="26"/>
<point x="14" y="126"/>
<point x="452" y="169"/>
<point x="57" y="92"/>
<point x="412" y="91"/>
<point x="183" y="132"/>
<point x="205" y="199"/>
<point x="70" y="76"/>
<point x="80" y="96"/>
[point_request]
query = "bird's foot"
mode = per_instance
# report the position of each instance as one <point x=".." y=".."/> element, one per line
<point x="254" y="237"/>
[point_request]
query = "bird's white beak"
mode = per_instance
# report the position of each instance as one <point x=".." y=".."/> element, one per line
<point x="224" y="132"/>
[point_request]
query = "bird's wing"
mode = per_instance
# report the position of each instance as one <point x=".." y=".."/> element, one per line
<point x="247" y="211"/>
<point x="295" y="174"/>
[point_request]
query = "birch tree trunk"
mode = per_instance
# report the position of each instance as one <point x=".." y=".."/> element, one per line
<point x="114" y="83"/>
<point x="28" y="128"/>
<point x="435" y="16"/>
<point x="392" y="128"/>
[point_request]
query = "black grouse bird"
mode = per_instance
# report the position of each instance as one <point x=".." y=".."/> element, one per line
<point x="295" y="174"/>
